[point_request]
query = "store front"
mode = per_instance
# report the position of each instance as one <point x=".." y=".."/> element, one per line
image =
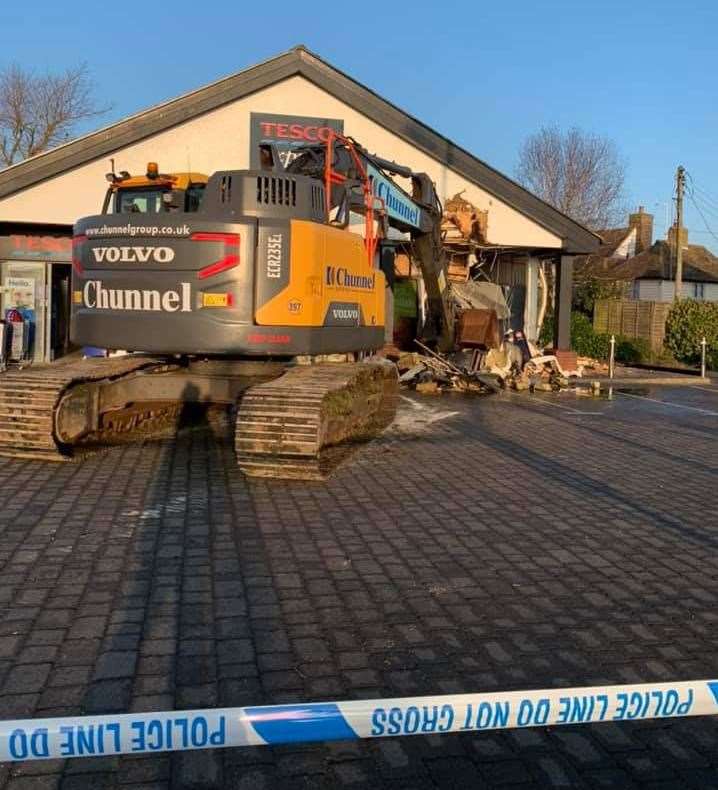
<point x="35" y="270"/>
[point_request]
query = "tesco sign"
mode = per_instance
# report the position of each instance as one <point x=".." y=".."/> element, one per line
<point x="287" y="133"/>
<point x="295" y="131"/>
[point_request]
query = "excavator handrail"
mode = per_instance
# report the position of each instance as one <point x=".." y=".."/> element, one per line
<point x="425" y="233"/>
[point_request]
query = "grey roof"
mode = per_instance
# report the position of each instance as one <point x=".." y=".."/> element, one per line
<point x="298" y="61"/>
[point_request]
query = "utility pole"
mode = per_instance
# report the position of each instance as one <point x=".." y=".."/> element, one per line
<point x="680" y="184"/>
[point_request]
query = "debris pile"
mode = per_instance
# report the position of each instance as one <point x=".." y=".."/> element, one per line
<point x="430" y="373"/>
<point x="489" y="357"/>
<point x="515" y="364"/>
<point x="592" y="365"/>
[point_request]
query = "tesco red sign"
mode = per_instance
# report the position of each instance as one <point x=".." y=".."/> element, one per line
<point x="18" y="245"/>
<point x="287" y="133"/>
<point x="295" y="131"/>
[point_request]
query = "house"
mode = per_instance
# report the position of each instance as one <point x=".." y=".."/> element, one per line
<point x="652" y="272"/>
<point x="647" y="268"/>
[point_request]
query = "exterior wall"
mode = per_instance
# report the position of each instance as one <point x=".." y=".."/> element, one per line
<point x="220" y="140"/>
<point x="664" y="290"/>
<point x="648" y="290"/>
<point x="627" y="248"/>
<point x="510" y="271"/>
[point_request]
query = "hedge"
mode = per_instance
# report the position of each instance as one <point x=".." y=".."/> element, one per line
<point x="687" y="324"/>
<point x="586" y="342"/>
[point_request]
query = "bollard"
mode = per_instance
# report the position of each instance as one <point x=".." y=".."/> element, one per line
<point x="703" y="358"/>
<point x="612" y="358"/>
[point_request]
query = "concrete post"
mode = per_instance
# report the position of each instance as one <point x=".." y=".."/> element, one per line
<point x="531" y="328"/>
<point x="562" y="303"/>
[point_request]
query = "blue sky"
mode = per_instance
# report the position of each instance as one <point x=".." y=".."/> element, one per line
<point x="484" y="74"/>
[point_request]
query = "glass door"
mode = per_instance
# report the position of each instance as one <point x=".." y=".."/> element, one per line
<point x="24" y="289"/>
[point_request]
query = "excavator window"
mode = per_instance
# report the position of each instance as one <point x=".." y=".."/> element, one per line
<point x="154" y="201"/>
<point x="142" y="201"/>
<point x="194" y="197"/>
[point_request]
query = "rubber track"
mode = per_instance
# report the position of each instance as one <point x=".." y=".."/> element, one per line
<point x="29" y="398"/>
<point x="279" y="430"/>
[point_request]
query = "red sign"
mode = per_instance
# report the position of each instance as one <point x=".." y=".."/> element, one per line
<point x="288" y="133"/>
<point x="294" y="131"/>
<point x="41" y="243"/>
<point x="21" y="246"/>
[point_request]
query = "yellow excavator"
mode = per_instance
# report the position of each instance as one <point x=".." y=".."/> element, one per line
<point x="217" y="288"/>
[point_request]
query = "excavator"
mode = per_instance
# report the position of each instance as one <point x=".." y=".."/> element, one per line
<point x="217" y="289"/>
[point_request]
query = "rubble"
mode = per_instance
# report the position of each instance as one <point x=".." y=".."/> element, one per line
<point x="476" y="371"/>
<point x="463" y="230"/>
<point x="489" y="359"/>
<point x="593" y="365"/>
<point x="431" y="373"/>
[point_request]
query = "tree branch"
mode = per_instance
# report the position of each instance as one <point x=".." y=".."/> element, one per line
<point x="39" y="112"/>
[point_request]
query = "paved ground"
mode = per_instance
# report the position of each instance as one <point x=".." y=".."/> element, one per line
<point x="507" y="542"/>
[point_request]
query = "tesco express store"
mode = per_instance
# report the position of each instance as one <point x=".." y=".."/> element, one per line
<point x="291" y="99"/>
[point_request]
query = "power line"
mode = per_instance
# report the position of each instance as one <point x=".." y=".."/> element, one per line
<point x="704" y="194"/>
<point x="707" y="204"/>
<point x="706" y="209"/>
<point x="705" y="221"/>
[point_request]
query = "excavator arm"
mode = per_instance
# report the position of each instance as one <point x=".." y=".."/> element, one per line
<point x="360" y="182"/>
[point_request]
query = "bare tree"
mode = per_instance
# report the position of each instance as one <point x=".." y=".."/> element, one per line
<point x="38" y="112"/>
<point x="579" y="173"/>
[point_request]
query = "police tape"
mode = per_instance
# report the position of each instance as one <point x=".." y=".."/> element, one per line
<point x="147" y="733"/>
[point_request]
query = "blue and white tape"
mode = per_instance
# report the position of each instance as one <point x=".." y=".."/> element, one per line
<point x="147" y="733"/>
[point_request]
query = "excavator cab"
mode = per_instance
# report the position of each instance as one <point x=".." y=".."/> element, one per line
<point x="154" y="192"/>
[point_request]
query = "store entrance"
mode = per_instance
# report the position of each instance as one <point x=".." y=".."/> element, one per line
<point x="60" y="296"/>
<point x="23" y="295"/>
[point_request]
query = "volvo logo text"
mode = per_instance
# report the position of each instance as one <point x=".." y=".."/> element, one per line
<point x="133" y="254"/>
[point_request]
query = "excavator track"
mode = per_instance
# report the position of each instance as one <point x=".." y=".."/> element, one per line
<point x="29" y="400"/>
<point x="301" y="425"/>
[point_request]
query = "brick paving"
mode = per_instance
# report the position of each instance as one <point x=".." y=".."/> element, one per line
<point x="487" y="544"/>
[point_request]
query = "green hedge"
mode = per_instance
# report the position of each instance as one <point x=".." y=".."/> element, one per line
<point x="586" y="342"/>
<point x="688" y="323"/>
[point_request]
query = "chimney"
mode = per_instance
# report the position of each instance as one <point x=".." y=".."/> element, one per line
<point x="643" y="223"/>
<point x="672" y="236"/>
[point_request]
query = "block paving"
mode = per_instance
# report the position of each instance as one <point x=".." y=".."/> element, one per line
<point x="482" y="544"/>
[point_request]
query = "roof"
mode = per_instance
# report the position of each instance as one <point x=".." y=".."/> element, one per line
<point x="298" y="61"/>
<point x="658" y="263"/>
<point x="611" y="240"/>
<point x="602" y="263"/>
